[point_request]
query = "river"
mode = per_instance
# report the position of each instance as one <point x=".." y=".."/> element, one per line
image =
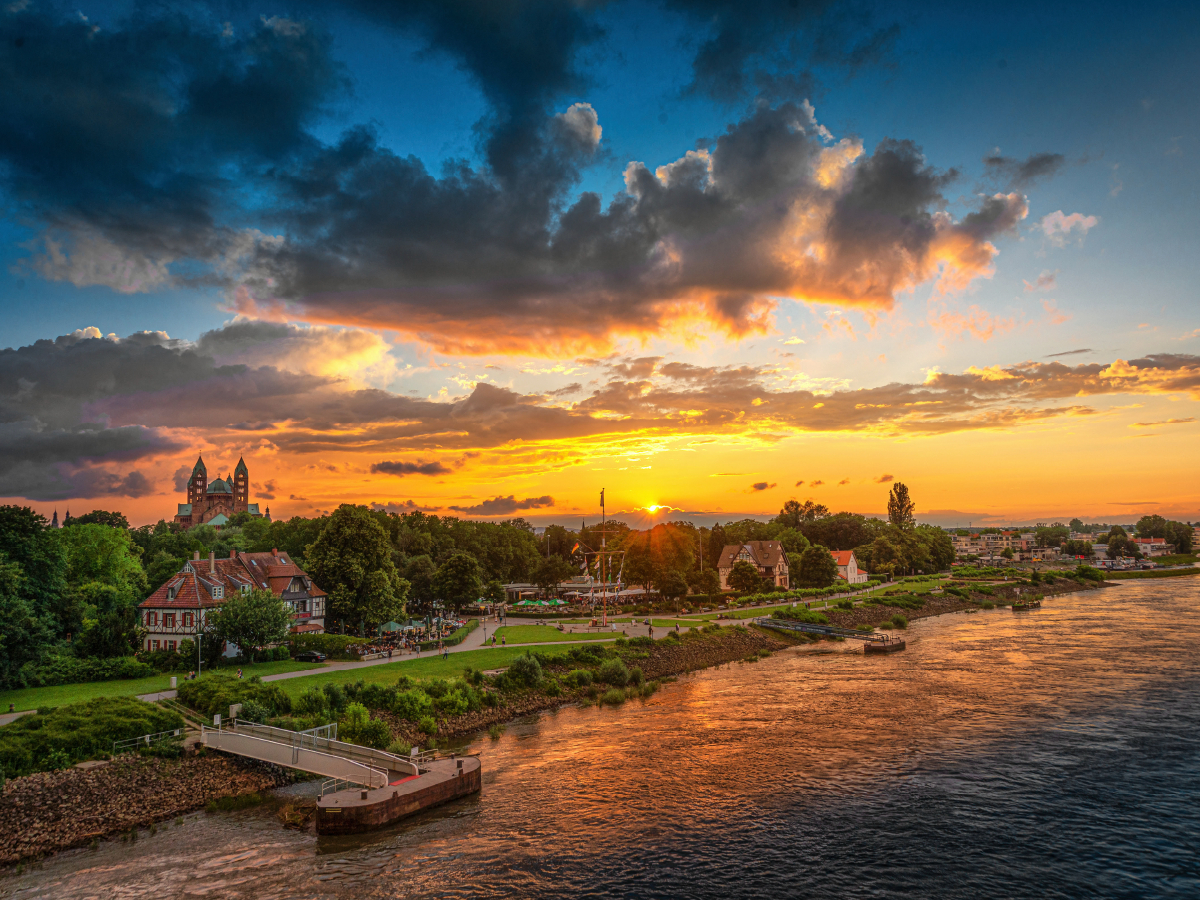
<point x="1054" y="753"/>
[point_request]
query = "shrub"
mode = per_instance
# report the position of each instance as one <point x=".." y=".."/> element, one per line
<point x="377" y="696"/>
<point x="490" y="698"/>
<point x="636" y="677"/>
<point x="72" y="670"/>
<point x="399" y="747"/>
<point x="649" y="688"/>
<point x="525" y="671"/>
<point x="452" y="703"/>
<point x="214" y="694"/>
<point x="1089" y="573"/>
<point x="428" y="725"/>
<point x="412" y="704"/>
<point x="553" y="688"/>
<point x="641" y="641"/>
<point x="898" y="621"/>
<point x="335" y="696"/>
<point x="358" y="727"/>
<point x="63" y="736"/>
<point x="987" y="604"/>
<point x="845" y="604"/>
<point x="578" y="678"/>
<point x="614" y="696"/>
<point x="310" y="703"/>
<point x="495" y="731"/>
<point x="613" y="672"/>
<point x="796" y="614"/>
<point x="253" y="711"/>
<point x="335" y="646"/>
<point x="436" y="687"/>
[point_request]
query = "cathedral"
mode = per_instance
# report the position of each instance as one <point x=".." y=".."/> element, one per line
<point x="215" y="502"/>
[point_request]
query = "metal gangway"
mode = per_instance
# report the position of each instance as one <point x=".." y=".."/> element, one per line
<point x="826" y="630"/>
<point x="309" y="751"/>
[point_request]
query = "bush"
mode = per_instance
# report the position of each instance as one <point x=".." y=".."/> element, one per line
<point x="636" y="677"/>
<point x="613" y="672"/>
<point x="452" y="703"/>
<point x="525" y="671"/>
<point x="614" y="696"/>
<point x="253" y="711"/>
<point x="72" y="670"/>
<point x="213" y="694"/>
<point x="553" y="688"/>
<point x="358" y="727"/>
<point x="335" y="646"/>
<point x="428" y="725"/>
<point x="796" y="614"/>
<point x="578" y="678"/>
<point x="399" y="747"/>
<point x="63" y="736"/>
<point x="1089" y="573"/>
<point x="898" y="621"/>
<point x="495" y="731"/>
<point x="335" y="696"/>
<point x="413" y="704"/>
<point x="310" y="703"/>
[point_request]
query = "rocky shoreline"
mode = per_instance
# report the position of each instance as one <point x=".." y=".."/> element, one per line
<point x="47" y="812"/>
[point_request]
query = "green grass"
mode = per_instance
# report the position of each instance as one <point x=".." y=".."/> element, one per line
<point x="1151" y="573"/>
<point x="428" y="667"/>
<point x="546" y="634"/>
<point x="1177" y="559"/>
<point x="62" y="694"/>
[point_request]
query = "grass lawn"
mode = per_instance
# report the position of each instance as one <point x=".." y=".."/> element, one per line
<point x="61" y="694"/>
<point x="1177" y="559"/>
<point x="427" y="667"/>
<point x="1150" y="573"/>
<point x="545" y="634"/>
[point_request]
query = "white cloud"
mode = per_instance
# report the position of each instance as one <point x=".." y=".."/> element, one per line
<point x="1057" y="226"/>
<point x="87" y="258"/>
<point x="583" y="121"/>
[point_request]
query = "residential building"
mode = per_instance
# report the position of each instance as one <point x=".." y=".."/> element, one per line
<point x="767" y="556"/>
<point x="179" y="609"/>
<point x="848" y="569"/>
<point x="1153" y="546"/>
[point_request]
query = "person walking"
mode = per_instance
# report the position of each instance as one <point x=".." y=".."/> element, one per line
<point x="445" y="653"/>
<point x="239" y="674"/>
<point x="502" y="640"/>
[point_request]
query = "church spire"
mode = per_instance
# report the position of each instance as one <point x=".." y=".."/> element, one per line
<point x="54" y="521"/>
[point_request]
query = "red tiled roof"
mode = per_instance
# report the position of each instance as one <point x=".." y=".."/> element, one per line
<point x="196" y="579"/>
<point x="306" y="628"/>
<point x="765" y="553"/>
<point x="842" y="557"/>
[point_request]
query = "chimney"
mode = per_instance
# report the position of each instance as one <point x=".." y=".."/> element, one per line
<point x="274" y="551"/>
<point x="196" y="556"/>
<point x="212" y="562"/>
<point x="233" y="554"/>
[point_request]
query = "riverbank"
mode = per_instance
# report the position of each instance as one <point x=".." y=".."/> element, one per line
<point x="52" y="811"/>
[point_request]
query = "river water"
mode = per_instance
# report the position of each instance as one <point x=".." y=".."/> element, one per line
<point x="1047" y="754"/>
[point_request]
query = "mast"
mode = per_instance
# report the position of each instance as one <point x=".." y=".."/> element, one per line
<point x="603" y="570"/>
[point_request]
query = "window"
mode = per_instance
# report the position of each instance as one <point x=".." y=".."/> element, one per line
<point x="156" y="645"/>
<point x="245" y="588"/>
<point x="218" y="592"/>
<point x="151" y="618"/>
<point x="168" y="620"/>
<point x="172" y="645"/>
<point x="187" y="620"/>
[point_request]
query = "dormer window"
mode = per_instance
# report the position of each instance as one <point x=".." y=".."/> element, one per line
<point x="172" y="592"/>
<point x="218" y="592"/>
<point x="245" y="588"/>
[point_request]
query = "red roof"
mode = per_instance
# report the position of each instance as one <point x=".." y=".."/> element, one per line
<point x="195" y="584"/>
<point x="842" y="557"/>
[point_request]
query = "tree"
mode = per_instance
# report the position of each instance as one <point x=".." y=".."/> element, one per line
<point x="102" y="517"/>
<point x="1151" y="526"/>
<point x="24" y="636"/>
<point x="707" y="582"/>
<point x="794" y="514"/>
<point x="552" y="571"/>
<point x="818" y="568"/>
<point x="457" y="580"/>
<point x="113" y="632"/>
<point x="1076" y="525"/>
<point x="1078" y="548"/>
<point x="744" y="577"/>
<point x="670" y="584"/>
<point x="901" y="507"/>
<point x="351" y="560"/>
<point x="419" y="574"/>
<point x="939" y="549"/>
<point x="1051" y="535"/>
<point x="1007" y="553"/>
<point x="103" y="554"/>
<point x="251" y="620"/>
<point x="494" y="591"/>
<point x="1121" y="545"/>
<point x="1180" y="536"/>
<point x="37" y="551"/>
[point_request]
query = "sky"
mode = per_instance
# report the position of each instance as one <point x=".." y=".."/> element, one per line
<point x="484" y="259"/>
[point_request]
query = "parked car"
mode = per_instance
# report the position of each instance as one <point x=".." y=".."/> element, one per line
<point x="310" y="656"/>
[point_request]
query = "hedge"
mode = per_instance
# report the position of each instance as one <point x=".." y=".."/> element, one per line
<point x="61" y="737"/>
<point x="459" y="635"/>
<point x="214" y="694"/>
<point x="73" y="670"/>
<point x="335" y="646"/>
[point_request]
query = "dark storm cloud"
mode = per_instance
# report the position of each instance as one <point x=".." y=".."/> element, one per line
<point x="766" y="46"/>
<point x="504" y="506"/>
<point x="1078" y="352"/>
<point x="126" y="136"/>
<point x="402" y="468"/>
<point x="1023" y="173"/>
<point x="163" y="150"/>
<point x="761" y="486"/>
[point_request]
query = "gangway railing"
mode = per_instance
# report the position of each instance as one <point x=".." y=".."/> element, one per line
<point x="300" y="740"/>
<point x="295" y="756"/>
<point x="147" y="740"/>
<point x="826" y="630"/>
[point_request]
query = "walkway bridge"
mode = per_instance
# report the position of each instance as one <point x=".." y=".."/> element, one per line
<point x="310" y="751"/>
<point x="885" y="641"/>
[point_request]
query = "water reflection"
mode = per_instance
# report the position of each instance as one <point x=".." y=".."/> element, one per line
<point x="1002" y="754"/>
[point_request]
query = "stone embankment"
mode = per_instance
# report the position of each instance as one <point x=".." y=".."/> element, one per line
<point x="51" y="811"/>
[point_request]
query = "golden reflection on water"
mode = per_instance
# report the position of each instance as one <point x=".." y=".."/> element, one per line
<point x="570" y="795"/>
